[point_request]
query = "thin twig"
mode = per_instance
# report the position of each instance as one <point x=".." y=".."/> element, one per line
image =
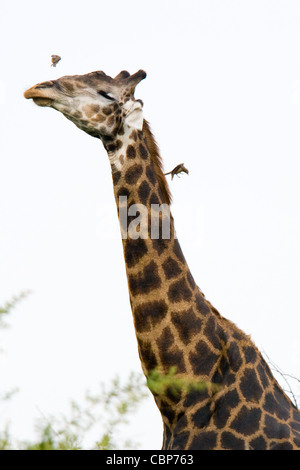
<point x="284" y="376"/>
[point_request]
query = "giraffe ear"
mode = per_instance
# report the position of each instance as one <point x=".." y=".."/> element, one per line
<point x="134" y="114"/>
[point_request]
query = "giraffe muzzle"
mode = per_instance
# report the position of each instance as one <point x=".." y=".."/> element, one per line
<point x="39" y="94"/>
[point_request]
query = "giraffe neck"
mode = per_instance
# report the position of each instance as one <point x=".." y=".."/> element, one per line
<point x="167" y="306"/>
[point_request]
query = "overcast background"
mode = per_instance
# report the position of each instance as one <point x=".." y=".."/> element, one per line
<point x="223" y="96"/>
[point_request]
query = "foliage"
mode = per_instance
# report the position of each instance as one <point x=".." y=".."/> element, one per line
<point x="8" y="307"/>
<point x="103" y="414"/>
<point x="5" y="438"/>
<point x="98" y="420"/>
<point x="162" y="384"/>
<point x="94" y="424"/>
<point x="285" y="379"/>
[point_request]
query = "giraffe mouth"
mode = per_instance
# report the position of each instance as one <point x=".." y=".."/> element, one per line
<point x="39" y="96"/>
<point x="42" y="101"/>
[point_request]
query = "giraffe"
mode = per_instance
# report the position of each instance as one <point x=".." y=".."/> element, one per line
<point x="175" y="325"/>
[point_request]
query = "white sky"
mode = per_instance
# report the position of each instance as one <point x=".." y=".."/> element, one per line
<point x="223" y="96"/>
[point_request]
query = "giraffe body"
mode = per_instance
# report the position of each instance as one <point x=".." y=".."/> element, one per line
<point x="176" y="326"/>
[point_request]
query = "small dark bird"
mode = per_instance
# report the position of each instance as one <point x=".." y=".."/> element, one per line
<point x="178" y="169"/>
<point x="55" y="59"/>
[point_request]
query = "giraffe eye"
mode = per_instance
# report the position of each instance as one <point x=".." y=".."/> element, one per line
<point x="105" y="95"/>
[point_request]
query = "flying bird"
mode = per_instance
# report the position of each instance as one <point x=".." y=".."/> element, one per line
<point x="55" y="59"/>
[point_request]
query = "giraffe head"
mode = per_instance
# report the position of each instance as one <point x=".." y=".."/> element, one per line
<point x="96" y="103"/>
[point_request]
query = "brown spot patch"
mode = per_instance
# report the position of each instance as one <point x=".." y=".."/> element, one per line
<point x="201" y="305"/>
<point x="190" y="280"/>
<point x="145" y="281"/>
<point x="234" y="356"/>
<point x="143" y="192"/>
<point x="130" y="152"/>
<point x="212" y="332"/>
<point x="147" y="355"/>
<point x="134" y="250"/>
<point x="134" y="135"/>
<point x="247" y="421"/>
<point x="133" y="174"/>
<point x="89" y="110"/>
<point x="69" y="86"/>
<point x="201" y="418"/>
<point x="258" y="443"/>
<point x="107" y="110"/>
<point x="111" y="121"/>
<point x="250" y="354"/>
<point x="250" y="386"/>
<point x="169" y="352"/>
<point x="116" y="176"/>
<point x="231" y="442"/>
<point x="171" y="268"/>
<point x="160" y="245"/>
<point x="179" y="290"/>
<point x="123" y="192"/>
<point x="187" y="324"/>
<point x="114" y="146"/>
<point x="202" y="359"/>
<point x="98" y="118"/>
<point x="95" y="108"/>
<point x="148" y="315"/>
<point x="143" y="151"/>
<point x="206" y="440"/>
<point x="77" y="114"/>
<point x="151" y="175"/>
<point x="154" y="198"/>
<point x="224" y="407"/>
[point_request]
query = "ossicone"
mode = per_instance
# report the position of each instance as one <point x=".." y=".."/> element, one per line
<point x="130" y="80"/>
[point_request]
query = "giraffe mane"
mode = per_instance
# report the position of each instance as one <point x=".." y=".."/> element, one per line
<point x="157" y="162"/>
